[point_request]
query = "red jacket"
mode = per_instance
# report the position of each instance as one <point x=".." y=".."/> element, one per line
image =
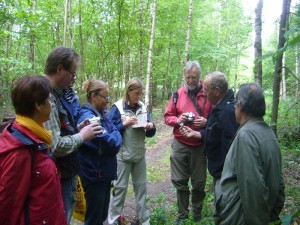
<point x="28" y="180"/>
<point x="184" y="104"/>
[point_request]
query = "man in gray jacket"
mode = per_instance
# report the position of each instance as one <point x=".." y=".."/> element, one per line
<point x="252" y="187"/>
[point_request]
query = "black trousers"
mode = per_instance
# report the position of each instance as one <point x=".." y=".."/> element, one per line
<point x="97" y="197"/>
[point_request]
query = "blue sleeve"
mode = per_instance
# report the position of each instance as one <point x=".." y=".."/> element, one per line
<point x="150" y="133"/>
<point x="115" y="117"/>
<point x="203" y="133"/>
<point x="111" y="140"/>
<point x="83" y="114"/>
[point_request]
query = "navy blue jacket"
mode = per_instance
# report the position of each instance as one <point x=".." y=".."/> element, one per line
<point x="97" y="158"/>
<point x="220" y="129"/>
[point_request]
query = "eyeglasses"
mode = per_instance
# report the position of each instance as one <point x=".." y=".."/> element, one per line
<point x="206" y="90"/>
<point x="107" y="98"/>
<point x="73" y="73"/>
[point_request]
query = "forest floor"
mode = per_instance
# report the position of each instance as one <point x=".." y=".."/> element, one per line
<point x="161" y="193"/>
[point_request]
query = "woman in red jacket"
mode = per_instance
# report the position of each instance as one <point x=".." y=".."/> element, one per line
<point x="29" y="182"/>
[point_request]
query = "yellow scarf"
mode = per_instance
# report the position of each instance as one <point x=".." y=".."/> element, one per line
<point x="37" y="129"/>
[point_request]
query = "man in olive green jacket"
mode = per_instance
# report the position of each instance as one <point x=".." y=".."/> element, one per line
<point x="252" y="188"/>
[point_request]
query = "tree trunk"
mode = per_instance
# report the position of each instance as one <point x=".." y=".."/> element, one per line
<point x="81" y="79"/>
<point x="32" y="39"/>
<point x="70" y="24"/>
<point x="187" y="41"/>
<point x="141" y="22"/>
<point x="278" y="64"/>
<point x="297" y="94"/>
<point x="65" y="22"/>
<point x="147" y="94"/>
<point x="283" y="83"/>
<point x="258" y="43"/>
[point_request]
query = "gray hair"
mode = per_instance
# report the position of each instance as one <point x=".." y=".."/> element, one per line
<point x="190" y="65"/>
<point x="218" y="79"/>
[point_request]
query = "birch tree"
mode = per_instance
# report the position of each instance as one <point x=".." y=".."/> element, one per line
<point x="187" y="41"/>
<point x="258" y="43"/>
<point x="68" y="23"/>
<point x="149" y="65"/>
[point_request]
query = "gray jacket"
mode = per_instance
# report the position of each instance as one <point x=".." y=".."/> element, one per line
<point x="133" y="148"/>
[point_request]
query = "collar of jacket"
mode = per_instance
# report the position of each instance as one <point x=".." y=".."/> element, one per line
<point x="228" y="98"/>
<point x="128" y="107"/>
<point x="58" y="92"/>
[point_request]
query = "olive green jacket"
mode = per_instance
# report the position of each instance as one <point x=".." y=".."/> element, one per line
<point x="252" y="188"/>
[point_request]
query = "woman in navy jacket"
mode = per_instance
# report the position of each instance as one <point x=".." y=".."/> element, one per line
<point x="97" y="158"/>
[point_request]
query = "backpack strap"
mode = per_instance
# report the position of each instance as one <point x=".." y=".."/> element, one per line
<point x="175" y="99"/>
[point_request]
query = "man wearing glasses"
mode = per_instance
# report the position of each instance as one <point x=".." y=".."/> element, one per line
<point x="220" y="127"/>
<point x="60" y="69"/>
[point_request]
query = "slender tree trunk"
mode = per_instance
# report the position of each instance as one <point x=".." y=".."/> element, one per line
<point x="278" y="64"/>
<point x="65" y="22"/>
<point x="32" y="39"/>
<point x="4" y="72"/>
<point x="70" y="24"/>
<point x="141" y="22"/>
<point x="297" y="94"/>
<point x="258" y="43"/>
<point x="147" y="94"/>
<point x="81" y="79"/>
<point x="120" y="50"/>
<point x="187" y="40"/>
<point x="283" y="83"/>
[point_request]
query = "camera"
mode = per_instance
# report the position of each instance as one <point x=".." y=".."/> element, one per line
<point x="191" y="117"/>
<point x="94" y="119"/>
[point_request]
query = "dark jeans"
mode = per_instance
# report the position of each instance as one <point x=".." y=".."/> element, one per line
<point x="68" y="189"/>
<point x="97" y="196"/>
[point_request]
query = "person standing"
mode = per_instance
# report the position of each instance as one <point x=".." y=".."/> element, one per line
<point x="252" y="187"/>
<point x="134" y="123"/>
<point x="188" y="106"/>
<point x="97" y="158"/>
<point x="60" y="69"/>
<point x="29" y="182"/>
<point x="220" y="128"/>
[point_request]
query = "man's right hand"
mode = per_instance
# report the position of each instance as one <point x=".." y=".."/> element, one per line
<point x="189" y="133"/>
<point x="182" y="118"/>
<point x="90" y="131"/>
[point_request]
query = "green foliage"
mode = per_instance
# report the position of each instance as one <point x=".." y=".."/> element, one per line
<point x="161" y="214"/>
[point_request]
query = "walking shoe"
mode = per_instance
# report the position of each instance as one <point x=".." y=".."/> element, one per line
<point x="135" y="221"/>
<point x="123" y="221"/>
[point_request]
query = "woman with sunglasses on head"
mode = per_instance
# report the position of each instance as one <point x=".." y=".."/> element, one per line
<point x="97" y="158"/>
<point x="29" y="181"/>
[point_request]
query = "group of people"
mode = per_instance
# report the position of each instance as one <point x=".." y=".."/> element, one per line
<point x="242" y="152"/>
<point x="54" y="138"/>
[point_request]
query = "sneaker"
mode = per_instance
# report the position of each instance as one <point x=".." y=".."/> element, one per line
<point x="123" y="220"/>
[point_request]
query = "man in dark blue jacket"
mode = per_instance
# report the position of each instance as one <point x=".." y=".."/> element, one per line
<point x="220" y="127"/>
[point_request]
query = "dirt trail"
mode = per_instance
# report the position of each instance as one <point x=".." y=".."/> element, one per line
<point x="156" y="157"/>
